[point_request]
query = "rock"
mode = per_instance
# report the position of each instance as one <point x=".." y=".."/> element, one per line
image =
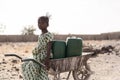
<point x="14" y="61"/>
<point x="4" y="62"/>
<point x="20" y="76"/>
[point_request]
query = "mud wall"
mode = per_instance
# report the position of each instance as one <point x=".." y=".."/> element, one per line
<point x="33" y="38"/>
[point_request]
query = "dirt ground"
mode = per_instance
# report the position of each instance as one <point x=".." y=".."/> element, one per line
<point x="104" y="66"/>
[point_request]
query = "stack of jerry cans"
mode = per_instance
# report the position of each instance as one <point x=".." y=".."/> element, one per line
<point x="71" y="48"/>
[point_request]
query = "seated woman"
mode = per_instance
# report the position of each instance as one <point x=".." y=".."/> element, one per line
<point x="41" y="53"/>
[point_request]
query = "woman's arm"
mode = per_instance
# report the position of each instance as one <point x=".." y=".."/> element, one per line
<point x="47" y="60"/>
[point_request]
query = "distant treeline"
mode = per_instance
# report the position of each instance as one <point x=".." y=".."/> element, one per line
<point x="33" y="38"/>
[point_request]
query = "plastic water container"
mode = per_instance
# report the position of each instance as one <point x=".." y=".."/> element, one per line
<point x="58" y="49"/>
<point x="74" y="47"/>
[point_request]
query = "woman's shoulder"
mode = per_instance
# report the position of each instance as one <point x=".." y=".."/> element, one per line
<point x="51" y="35"/>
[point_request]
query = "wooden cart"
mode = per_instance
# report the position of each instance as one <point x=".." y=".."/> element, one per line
<point x="77" y="65"/>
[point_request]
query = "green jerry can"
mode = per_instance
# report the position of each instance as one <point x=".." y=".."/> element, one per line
<point x="74" y="47"/>
<point x="58" y="49"/>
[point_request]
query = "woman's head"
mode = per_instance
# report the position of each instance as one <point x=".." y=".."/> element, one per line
<point x="43" y="22"/>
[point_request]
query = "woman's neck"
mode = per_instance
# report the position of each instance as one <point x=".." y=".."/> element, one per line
<point x="44" y="31"/>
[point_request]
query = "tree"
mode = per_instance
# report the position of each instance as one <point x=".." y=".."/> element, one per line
<point x="29" y="30"/>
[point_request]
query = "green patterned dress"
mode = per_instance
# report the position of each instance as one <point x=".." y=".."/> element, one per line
<point x="31" y="70"/>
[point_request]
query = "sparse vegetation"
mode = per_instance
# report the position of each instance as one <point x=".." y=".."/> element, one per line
<point x="29" y="30"/>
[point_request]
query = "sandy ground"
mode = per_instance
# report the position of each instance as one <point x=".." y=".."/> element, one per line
<point x="105" y="67"/>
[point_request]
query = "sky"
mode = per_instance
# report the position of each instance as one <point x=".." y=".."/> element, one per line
<point x="67" y="16"/>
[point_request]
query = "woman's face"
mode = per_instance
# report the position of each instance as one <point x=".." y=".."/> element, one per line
<point x="42" y="24"/>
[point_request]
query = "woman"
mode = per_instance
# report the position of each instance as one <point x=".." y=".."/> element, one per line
<point x="41" y="53"/>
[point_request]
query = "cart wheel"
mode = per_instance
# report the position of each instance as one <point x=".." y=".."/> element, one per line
<point x="81" y="74"/>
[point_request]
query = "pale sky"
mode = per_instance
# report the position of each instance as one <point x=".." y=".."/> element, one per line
<point x="67" y="16"/>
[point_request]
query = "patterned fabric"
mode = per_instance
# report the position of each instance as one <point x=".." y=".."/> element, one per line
<point x="31" y="70"/>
